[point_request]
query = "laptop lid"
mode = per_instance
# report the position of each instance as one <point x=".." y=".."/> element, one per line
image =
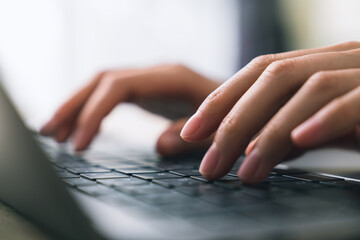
<point x="28" y="183"/>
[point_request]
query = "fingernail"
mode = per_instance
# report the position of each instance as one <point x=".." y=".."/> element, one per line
<point x="79" y="139"/>
<point x="249" y="167"/>
<point x="210" y="161"/>
<point x="250" y="147"/>
<point x="191" y="126"/>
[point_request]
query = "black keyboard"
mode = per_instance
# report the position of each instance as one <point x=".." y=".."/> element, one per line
<point x="175" y="187"/>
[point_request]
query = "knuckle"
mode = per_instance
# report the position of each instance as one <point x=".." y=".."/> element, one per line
<point x="352" y="44"/>
<point x="280" y="67"/>
<point x="275" y="73"/>
<point x="175" y="67"/>
<point x="262" y="61"/>
<point x="214" y="97"/>
<point x="323" y="81"/>
<point x="99" y="76"/>
<point x="228" y="123"/>
<point x="229" y="127"/>
<point x="109" y="79"/>
<point x="179" y="67"/>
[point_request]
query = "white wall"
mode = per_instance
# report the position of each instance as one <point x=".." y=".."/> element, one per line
<point x="315" y="23"/>
<point x="50" y="47"/>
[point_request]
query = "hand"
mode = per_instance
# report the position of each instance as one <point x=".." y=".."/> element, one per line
<point x="83" y="113"/>
<point x="295" y="99"/>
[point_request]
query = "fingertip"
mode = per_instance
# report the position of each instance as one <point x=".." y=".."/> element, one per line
<point x="249" y="168"/>
<point x="169" y="144"/>
<point x="61" y="137"/>
<point x="81" y="139"/>
<point x="296" y="139"/>
<point x="80" y="147"/>
<point x="307" y="133"/>
<point x="208" y="166"/>
<point x="47" y="129"/>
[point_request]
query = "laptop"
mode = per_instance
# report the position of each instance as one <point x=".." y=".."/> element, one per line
<point x="129" y="194"/>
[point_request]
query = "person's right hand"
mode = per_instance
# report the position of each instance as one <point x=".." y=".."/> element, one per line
<point x="83" y="113"/>
<point x="277" y="105"/>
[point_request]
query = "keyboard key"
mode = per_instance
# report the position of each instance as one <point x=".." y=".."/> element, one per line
<point x="138" y="170"/>
<point x="201" y="178"/>
<point x="261" y="191"/>
<point x="57" y="168"/>
<point x="187" y="172"/>
<point x="302" y="186"/>
<point x="142" y="189"/>
<point x="88" y="170"/>
<point x="67" y="174"/>
<point x="195" y="208"/>
<point x="175" y="182"/>
<point x="227" y="199"/>
<point x="168" y="165"/>
<point x="277" y="178"/>
<point x="106" y="175"/>
<point x="114" y="165"/>
<point x="97" y="190"/>
<point x="166" y="198"/>
<point x="73" y="164"/>
<point x="230" y="184"/>
<point x="152" y="176"/>
<point x="198" y="190"/>
<point x="122" y="181"/>
<point x="79" y="182"/>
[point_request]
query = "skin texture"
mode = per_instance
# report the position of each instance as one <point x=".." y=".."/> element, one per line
<point x="81" y="115"/>
<point x="299" y="99"/>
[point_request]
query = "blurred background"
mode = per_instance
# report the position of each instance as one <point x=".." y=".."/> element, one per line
<point x="49" y="48"/>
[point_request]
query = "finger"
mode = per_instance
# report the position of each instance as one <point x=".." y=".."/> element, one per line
<point x="64" y="132"/>
<point x="275" y="142"/>
<point x="132" y="85"/>
<point x="70" y="108"/>
<point x="263" y="100"/>
<point x="170" y="143"/>
<point x="218" y="104"/>
<point x="104" y="98"/>
<point x="337" y="118"/>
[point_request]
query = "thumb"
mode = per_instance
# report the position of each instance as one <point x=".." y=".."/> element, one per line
<point x="170" y="143"/>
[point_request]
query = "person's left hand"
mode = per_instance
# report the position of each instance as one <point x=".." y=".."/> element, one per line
<point x="296" y="99"/>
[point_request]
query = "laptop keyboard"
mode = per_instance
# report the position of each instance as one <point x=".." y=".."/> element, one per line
<point x="175" y="187"/>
